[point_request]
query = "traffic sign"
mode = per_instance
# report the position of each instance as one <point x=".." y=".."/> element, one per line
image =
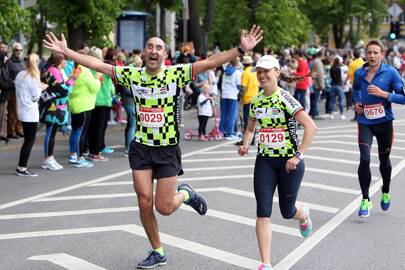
<point x="395" y="10"/>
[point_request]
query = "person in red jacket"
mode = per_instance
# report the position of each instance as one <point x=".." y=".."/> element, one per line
<point x="302" y="70"/>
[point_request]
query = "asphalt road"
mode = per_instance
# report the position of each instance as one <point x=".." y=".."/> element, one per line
<point x="88" y="218"/>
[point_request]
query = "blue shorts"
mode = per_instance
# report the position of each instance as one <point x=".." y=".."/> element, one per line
<point x="270" y="173"/>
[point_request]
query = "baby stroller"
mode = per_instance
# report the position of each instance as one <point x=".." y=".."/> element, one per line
<point x="215" y="133"/>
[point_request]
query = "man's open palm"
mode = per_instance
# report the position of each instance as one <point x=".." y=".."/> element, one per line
<point x="53" y="43"/>
<point x="249" y="40"/>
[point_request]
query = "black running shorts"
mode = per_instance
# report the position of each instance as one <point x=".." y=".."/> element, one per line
<point x="165" y="161"/>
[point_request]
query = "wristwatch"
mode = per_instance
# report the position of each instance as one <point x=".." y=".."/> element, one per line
<point x="240" y="50"/>
<point x="299" y="155"/>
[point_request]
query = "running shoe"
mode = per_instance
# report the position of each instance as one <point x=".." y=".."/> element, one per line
<point x="73" y="159"/>
<point x="51" y="164"/>
<point x="265" y="267"/>
<point x="365" y="208"/>
<point x="25" y="173"/>
<point x="154" y="259"/>
<point x="306" y="228"/>
<point x="82" y="163"/>
<point x="196" y="201"/>
<point x="385" y="201"/>
<point x="107" y="150"/>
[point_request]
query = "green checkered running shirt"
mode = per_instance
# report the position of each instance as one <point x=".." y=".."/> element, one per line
<point x="156" y="100"/>
<point x="275" y="114"/>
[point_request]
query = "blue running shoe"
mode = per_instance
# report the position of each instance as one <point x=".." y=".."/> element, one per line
<point x="82" y="163"/>
<point x="385" y="201"/>
<point x="73" y="159"/>
<point x="154" y="259"/>
<point x="306" y="228"/>
<point x="365" y="207"/>
<point x="196" y="201"/>
<point x="107" y="150"/>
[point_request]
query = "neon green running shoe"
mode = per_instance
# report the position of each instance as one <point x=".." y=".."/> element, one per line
<point x="365" y="207"/>
<point x="385" y="201"/>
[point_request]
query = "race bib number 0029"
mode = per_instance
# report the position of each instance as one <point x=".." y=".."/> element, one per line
<point x="272" y="137"/>
<point x="151" y="117"/>
<point x="374" y="111"/>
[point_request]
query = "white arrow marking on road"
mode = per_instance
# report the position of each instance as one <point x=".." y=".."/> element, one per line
<point x="67" y="261"/>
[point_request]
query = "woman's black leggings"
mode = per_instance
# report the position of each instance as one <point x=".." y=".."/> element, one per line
<point x="270" y="173"/>
<point x="30" y="132"/>
<point x="384" y="134"/>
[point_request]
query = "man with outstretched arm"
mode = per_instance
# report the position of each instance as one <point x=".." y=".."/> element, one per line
<point x="154" y="153"/>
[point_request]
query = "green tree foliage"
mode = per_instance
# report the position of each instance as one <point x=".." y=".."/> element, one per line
<point x="282" y="21"/>
<point x="348" y="19"/>
<point x="87" y="21"/>
<point x="12" y="19"/>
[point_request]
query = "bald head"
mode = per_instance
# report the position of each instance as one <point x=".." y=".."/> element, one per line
<point x="156" y="41"/>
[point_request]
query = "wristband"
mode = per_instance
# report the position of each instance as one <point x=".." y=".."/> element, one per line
<point x="240" y="50"/>
<point x="299" y="155"/>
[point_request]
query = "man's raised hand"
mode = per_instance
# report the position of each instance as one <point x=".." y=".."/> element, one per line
<point x="248" y="40"/>
<point x="53" y="43"/>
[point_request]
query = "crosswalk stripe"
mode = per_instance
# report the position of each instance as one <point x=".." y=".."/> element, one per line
<point x="248" y="194"/>
<point x="233" y="177"/>
<point x="331" y="142"/>
<point x="67" y="261"/>
<point x="335" y="160"/>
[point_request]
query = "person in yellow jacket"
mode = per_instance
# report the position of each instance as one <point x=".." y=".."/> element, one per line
<point x="248" y="90"/>
<point x="82" y="101"/>
<point x="358" y="62"/>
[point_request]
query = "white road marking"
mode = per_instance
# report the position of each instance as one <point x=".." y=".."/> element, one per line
<point x="292" y="258"/>
<point x="233" y="177"/>
<point x="349" y="136"/>
<point x="66" y="261"/>
<point x="187" y="245"/>
<point x="337" y="150"/>
<point x="334" y="160"/>
<point x="200" y="249"/>
<point x="332" y="142"/>
<point x="97" y="180"/>
<point x="249" y="194"/>
<point x="69" y="213"/>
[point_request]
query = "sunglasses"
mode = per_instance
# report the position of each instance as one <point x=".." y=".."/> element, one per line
<point x="18" y="50"/>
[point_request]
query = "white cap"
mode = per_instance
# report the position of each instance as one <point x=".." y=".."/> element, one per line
<point x="267" y="62"/>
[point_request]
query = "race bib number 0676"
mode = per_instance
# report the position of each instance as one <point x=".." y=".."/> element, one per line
<point x="374" y="111"/>
<point x="151" y="117"/>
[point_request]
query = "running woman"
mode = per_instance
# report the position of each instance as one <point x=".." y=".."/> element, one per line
<point x="154" y="153"/>
<point x="279" y="161"/>
<point x="376" y="85"/>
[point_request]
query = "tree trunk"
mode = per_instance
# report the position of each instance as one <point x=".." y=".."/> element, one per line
<point x="162" y="24"/>
<point x="42" y="28"/>
<point x="77" y="36"/>
<point x="195" y="27"/>
<point x="208" y="20"/>
<point x="252" y="4"/>
<point x="338" y="35"/>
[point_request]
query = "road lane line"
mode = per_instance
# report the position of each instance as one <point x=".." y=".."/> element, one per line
<point x="334" y="160"/>
<point x="292" y="258"/>
<point x="96" y="180"/>
<point x="249" y="194"/>
<point x="332" y="142"/>
<point x="69" y="213"/>
<point x="233" y="177"/>
<point x="67" y="261"/>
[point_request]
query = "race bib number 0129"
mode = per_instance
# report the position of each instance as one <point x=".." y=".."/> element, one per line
<point x="151" y="117"/>
<point x="374" y="111"/>
<point x="272" y="137"/>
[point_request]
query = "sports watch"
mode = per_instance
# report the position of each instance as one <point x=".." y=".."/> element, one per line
<point x="299" y="155"/>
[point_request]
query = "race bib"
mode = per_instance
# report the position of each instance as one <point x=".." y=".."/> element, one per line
<point x="151" y="117"/>
<point x="374" y="111"/>
<point x="272" y="137"/>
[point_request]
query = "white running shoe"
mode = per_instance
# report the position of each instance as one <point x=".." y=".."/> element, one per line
<point x="51" y="164"/>
<point x="342" y="117"/>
